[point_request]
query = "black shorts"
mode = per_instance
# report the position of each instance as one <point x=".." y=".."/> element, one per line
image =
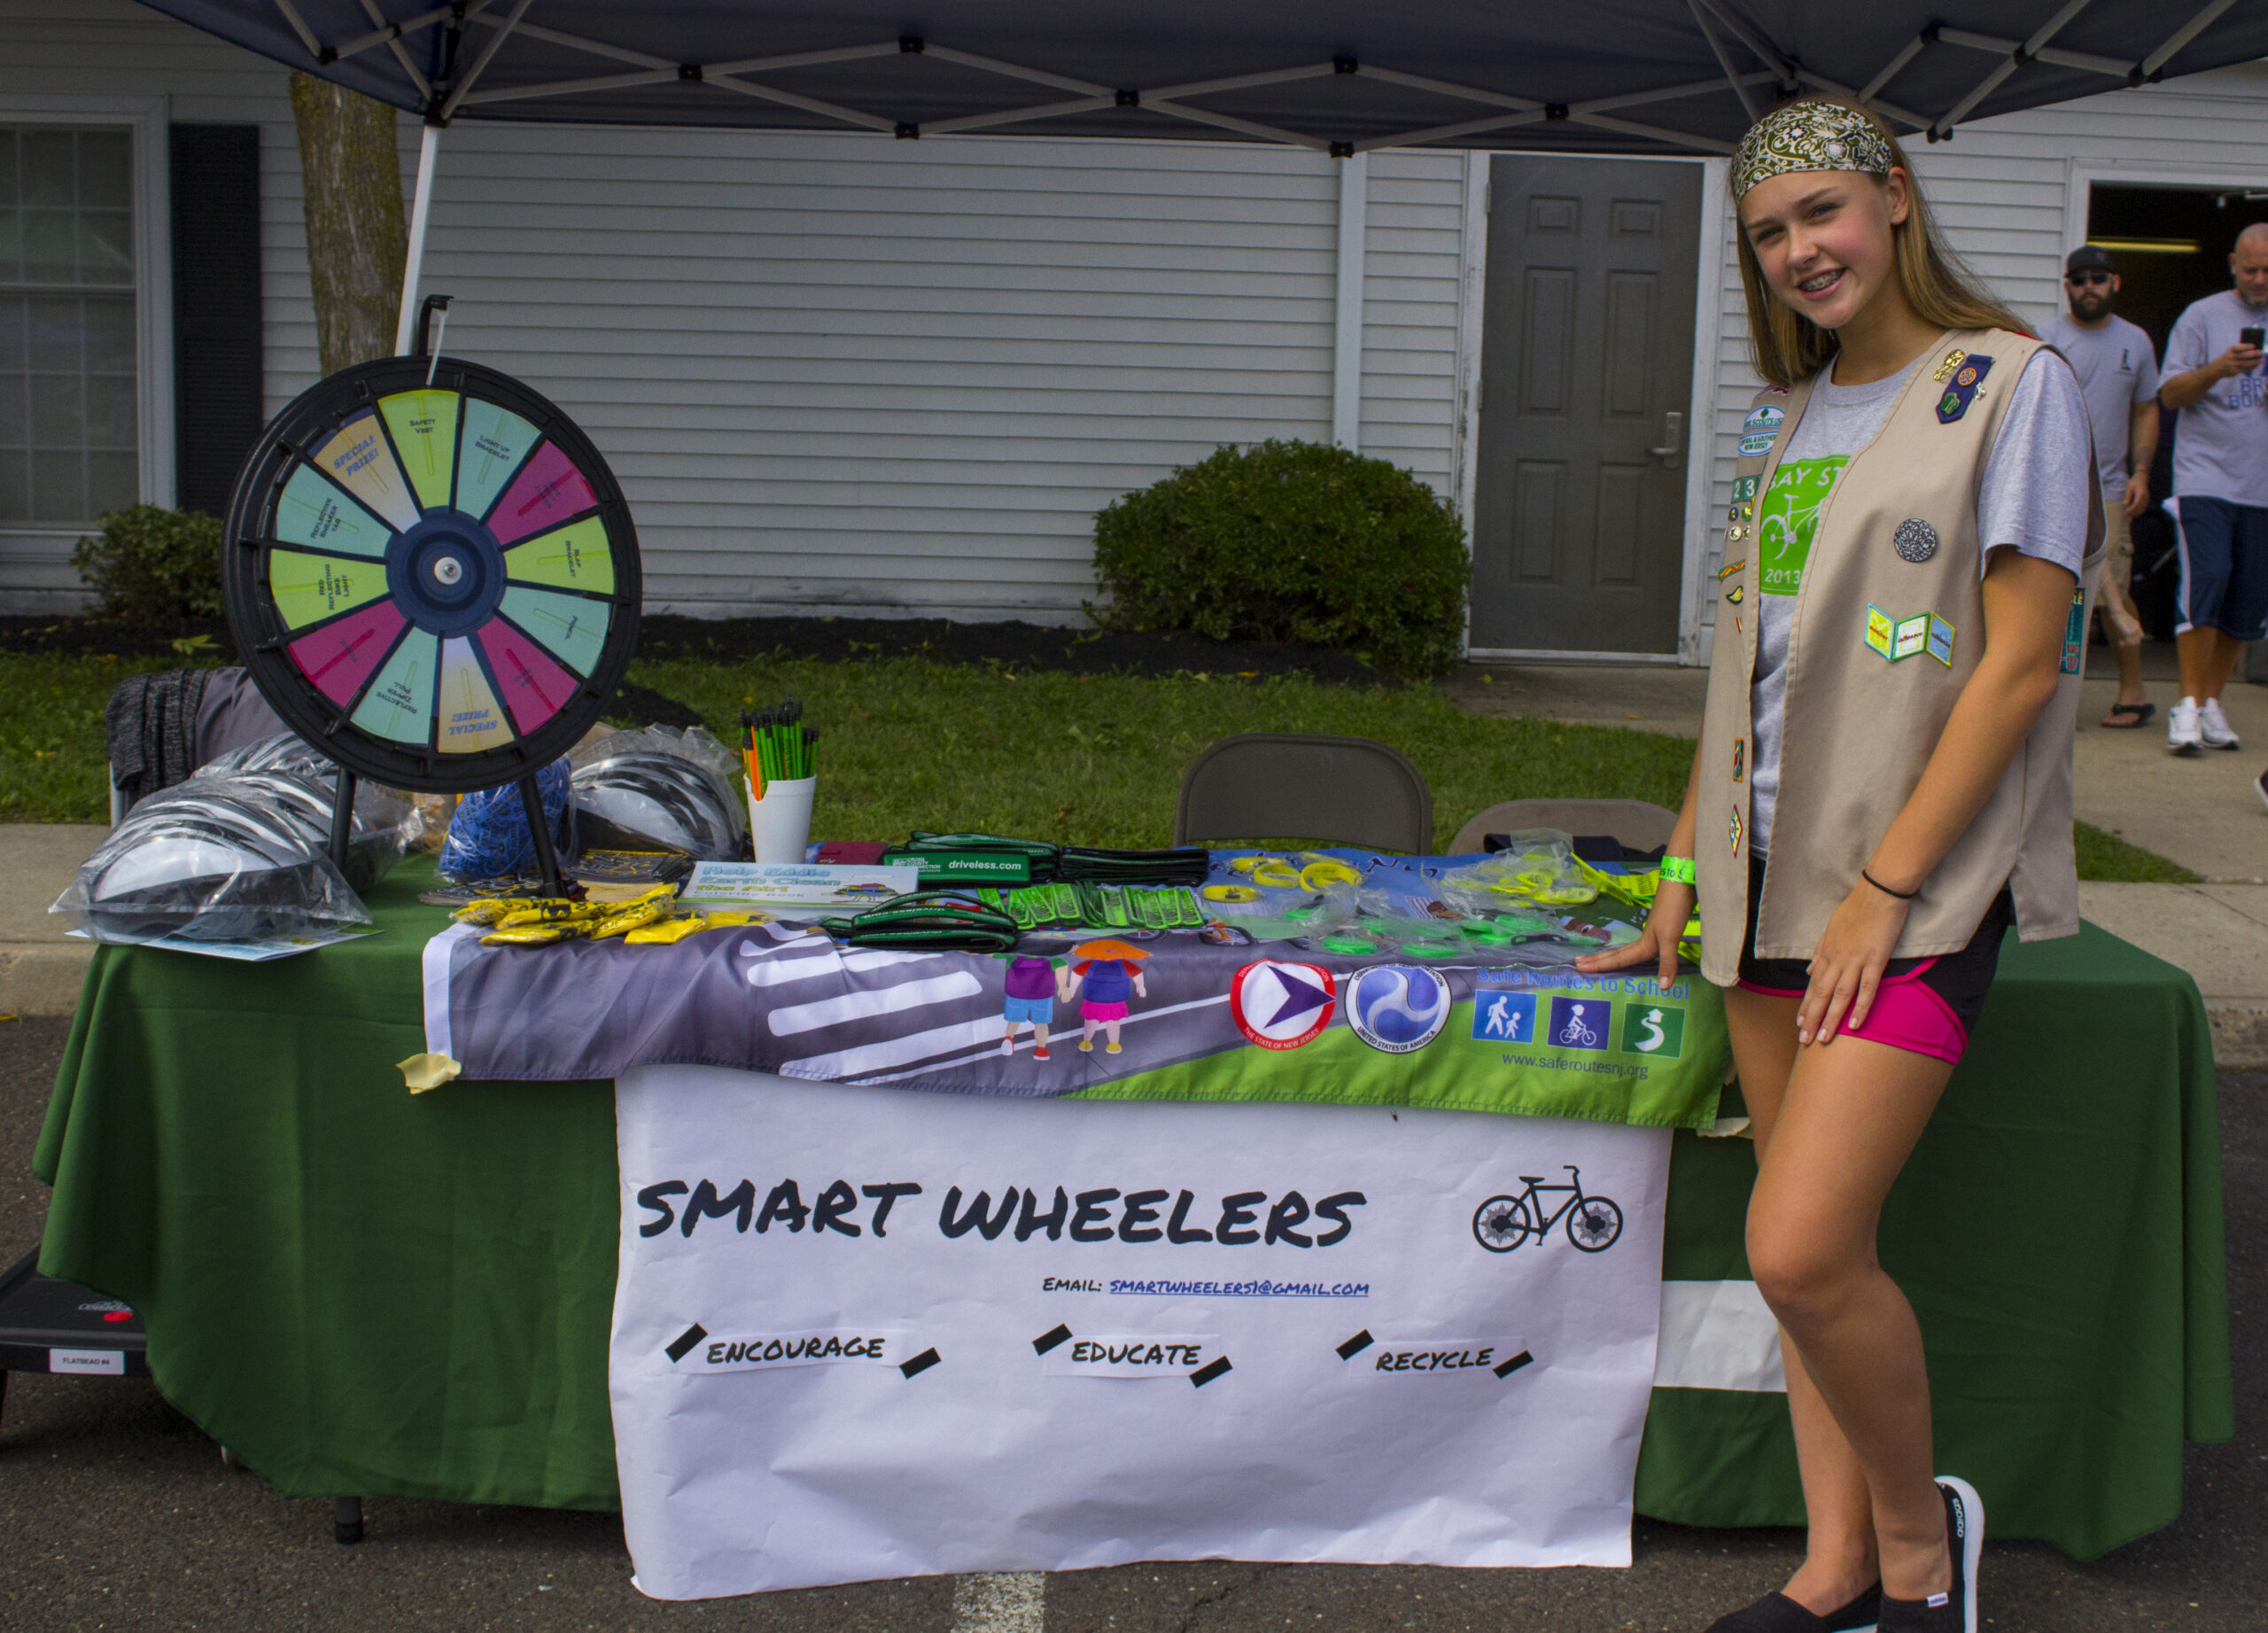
<point x="1927" y="1005"/>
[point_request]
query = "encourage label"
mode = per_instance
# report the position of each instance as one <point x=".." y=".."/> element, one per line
<point x="768" y="1352"/>
<point x="1149" y="1355"/>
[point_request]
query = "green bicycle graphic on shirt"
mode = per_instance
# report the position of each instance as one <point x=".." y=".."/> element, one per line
<point x="1788" y="517"/>
<point x="1503" y="1222"/>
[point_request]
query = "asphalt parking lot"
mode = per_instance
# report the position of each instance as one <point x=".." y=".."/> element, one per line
<point x="116" y="1512"/>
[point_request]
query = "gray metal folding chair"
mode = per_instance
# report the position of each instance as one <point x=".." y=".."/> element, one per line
<point x="1288" y="785"/>
<point x="1637" y="823"/>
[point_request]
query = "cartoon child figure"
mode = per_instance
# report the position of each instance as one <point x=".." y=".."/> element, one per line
<point x="1113" y="972"/>
<point x="1030" y="987"/>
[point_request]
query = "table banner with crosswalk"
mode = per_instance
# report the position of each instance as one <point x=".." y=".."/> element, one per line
<point x="1132" y="1014"/>
<point x="860" y="1334"/>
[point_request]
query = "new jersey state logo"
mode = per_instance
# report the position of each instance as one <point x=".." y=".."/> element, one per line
<point x="1281" y="1006"/>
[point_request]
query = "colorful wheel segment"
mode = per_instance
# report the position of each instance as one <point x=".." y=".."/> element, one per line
<point x="432" y="574"/>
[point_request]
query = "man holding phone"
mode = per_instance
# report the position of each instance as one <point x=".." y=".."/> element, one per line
<point x="2213" y="376"/>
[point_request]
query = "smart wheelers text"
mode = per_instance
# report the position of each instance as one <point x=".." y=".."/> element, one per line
<point x="866" y="1332"/>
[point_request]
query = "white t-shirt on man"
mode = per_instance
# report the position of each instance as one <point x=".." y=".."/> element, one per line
<point x="2028" y="500"/>
<point x="2117" y="368"/>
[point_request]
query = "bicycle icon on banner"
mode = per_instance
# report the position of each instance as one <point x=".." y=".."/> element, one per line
<point x="1578" y="1033"/>
<point x="1503" y="1222"/>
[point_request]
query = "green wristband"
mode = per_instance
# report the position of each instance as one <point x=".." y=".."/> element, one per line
<point x="1677" y="870"/>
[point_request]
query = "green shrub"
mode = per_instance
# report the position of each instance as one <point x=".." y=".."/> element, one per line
<point x="1290" y="542"/>
<point x="152" y="565"/>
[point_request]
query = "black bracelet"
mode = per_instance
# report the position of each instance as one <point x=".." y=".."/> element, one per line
<point x="1885" y="890"/>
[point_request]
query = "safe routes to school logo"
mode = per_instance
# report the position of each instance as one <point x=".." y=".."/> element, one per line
<point x="1397" y="1008"/>
<point x="1280" y="1006"/>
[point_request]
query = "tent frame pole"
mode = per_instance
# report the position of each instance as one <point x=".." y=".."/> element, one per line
<point x="421" y="208"/>
<point x="1347" y="339"/>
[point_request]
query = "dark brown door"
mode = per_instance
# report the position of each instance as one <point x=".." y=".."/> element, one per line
<point x="1586" y="379"/>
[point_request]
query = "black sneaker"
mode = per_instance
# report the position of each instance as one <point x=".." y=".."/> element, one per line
<point x="2260" y="786"/>
<point x="1953" y="1611"/>
<point x="1776" y="1613"/>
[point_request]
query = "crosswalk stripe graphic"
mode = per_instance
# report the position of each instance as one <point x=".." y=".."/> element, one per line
<point x="793" y="1018"/>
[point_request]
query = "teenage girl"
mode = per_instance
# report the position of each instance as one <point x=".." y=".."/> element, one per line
<point x="1881" y="786"/>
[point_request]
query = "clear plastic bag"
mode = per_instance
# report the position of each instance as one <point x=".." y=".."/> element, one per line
<point x="1537" y="869"/>
<point x="661" y="788"/>
<point x="489" y="836"/>
<point x="214" y="858"/>
<point x="386" y="822"/>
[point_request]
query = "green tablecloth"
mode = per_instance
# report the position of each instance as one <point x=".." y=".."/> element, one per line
<point x="365" y="1294"/>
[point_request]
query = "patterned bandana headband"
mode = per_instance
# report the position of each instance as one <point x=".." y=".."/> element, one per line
<point x="1809" y="135"/>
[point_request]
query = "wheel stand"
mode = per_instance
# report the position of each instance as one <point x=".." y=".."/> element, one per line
<point x="547" y="859"/>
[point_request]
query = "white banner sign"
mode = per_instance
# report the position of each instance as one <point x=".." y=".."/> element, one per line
<point x="875" y="1332"/>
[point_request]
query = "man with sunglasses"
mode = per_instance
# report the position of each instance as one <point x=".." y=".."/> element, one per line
<point x="2118" y="376"/>
<point x="2215" y="378"/>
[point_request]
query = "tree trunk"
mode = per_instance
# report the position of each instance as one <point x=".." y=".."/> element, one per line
<point x="356" y="238"/>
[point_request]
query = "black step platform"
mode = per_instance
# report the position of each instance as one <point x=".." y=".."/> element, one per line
<point x="48" y="1325"/>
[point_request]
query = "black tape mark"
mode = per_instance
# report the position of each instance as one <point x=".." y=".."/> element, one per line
<point x="920" y="1364"/>
<point x="1047" y="1340"/>
<point x="1356" y="1345"/>
<point x="1211" y="1370"/>
<point x="685" y="1341"/>
<point x="1505" y="1369"/>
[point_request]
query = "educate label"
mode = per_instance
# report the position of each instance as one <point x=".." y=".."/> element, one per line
<point x="1146" y="1354"/>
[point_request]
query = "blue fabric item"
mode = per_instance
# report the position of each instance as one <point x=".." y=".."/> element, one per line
<point x="489" y="836"/>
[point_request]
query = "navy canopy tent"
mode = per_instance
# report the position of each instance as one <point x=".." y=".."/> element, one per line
<point x="1335" y="75"/>
<point x="1343" y="77"/>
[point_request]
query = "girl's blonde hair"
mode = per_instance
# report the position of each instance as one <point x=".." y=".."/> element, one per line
<point x="1788" y="346"/>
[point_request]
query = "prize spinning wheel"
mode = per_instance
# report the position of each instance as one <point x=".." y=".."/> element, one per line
<point x="431" y="575"/>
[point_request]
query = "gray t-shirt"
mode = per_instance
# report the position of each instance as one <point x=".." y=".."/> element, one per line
<point x="2220" y="444"/>
<point x="2028" y="499"/>
<point x="2117" y="368"/>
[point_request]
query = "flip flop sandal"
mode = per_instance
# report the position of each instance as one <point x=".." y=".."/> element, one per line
<point x="2129" y="717"/>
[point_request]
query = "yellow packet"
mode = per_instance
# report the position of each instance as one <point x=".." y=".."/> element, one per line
<point x="666" y="931"/>
<point x="530" y="935"/>
<point x="629" y="919"/>
<point x="489" y="909"/>
<point x="735" y="918"/>
<point x="555" y="913"/>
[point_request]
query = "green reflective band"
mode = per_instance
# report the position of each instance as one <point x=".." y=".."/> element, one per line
<point x="1678" y="869"/>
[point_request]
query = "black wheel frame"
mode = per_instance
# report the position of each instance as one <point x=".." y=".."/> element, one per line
<point x="1581" y="1211"/>
<point x="262" y="635"/>
<point x="1515" y="1212"/>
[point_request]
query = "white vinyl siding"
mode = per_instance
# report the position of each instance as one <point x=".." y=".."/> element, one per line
<point x="839" y="373"/>
<point x="2001" y="190"/>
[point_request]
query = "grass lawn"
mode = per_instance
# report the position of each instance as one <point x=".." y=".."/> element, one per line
<point x="908" y="744"/>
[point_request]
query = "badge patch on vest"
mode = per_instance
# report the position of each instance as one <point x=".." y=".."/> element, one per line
<point x="1915" y="539"/>
<point x="1896" y="639"/>
<point x="1963" y="388"/>
<point x="1953" y="361"/>
<point x="2075" y="632"/>
<point x="1737" y="593"/>
<point x="1730" y="567"/>
<point x="1735" y="831"/>
<point x="1760" y="430"/>
<point x="1743" y="488"/>
<point x="1740" y="748"/>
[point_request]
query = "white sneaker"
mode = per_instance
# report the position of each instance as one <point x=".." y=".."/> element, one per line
<point x="2213" y="725"/>
<point x="2181" y="729"/>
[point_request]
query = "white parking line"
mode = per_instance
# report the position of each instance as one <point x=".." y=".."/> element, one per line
<point x="1000" y="1602"/>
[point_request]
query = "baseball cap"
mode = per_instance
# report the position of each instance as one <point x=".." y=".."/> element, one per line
<point x="2087" y="257"/>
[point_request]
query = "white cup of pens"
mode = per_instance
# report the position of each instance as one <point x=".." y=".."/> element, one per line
<point x="781" y="774"/>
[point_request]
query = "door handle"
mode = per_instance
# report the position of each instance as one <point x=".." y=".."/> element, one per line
<point x="1673" y="439"/>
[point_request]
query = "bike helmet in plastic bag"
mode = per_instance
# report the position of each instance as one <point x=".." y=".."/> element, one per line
<point x="385" y="822"/>
<point x="642" y="798"/>
<point x="211" y="861"/>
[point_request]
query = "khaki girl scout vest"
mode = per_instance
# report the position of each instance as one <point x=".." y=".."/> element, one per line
<point x="1888" y="626"/>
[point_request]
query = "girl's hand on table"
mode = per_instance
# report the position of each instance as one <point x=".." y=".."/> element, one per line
<point x="1657" y="943"/>
<point x="1847" y="969"/>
